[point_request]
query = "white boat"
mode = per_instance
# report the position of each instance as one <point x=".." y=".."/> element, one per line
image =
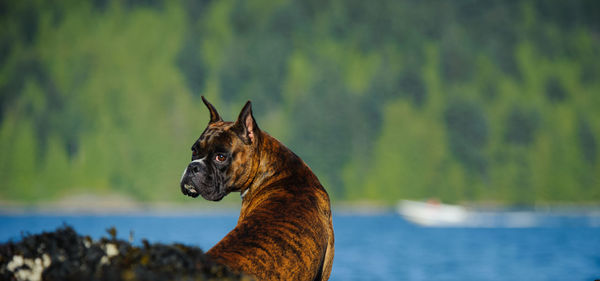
<point x="433" y="213"/>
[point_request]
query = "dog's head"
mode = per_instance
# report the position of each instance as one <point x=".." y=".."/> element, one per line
<point x="223" y="157"/>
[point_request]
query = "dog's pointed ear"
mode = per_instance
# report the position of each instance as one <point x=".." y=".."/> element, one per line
<point x="246" y="126"/>
<point x="214" y="115"/>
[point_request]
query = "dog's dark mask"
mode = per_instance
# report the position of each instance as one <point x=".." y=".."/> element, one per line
<point x="210" y="173"/>
<point x="206" y="175"/>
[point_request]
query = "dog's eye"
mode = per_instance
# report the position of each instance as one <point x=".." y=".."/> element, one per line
<point x="220" y="157"/>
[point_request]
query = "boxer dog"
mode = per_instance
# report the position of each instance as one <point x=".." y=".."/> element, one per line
<point x="284" y="231"/>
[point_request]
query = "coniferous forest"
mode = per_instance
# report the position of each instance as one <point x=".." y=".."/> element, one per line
<point x="465" y="101"/>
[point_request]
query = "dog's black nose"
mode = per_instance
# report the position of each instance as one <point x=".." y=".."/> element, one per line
<point x="196" y="167"/>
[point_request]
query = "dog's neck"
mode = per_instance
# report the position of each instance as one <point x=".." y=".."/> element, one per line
<point x="264" y="173"/>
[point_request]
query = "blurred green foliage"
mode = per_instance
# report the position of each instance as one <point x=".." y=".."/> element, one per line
<point x="493" y="101"/>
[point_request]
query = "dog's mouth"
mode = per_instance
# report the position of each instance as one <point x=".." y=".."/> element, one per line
<point x="190" y="190"/>
<point x="193" y="189"/>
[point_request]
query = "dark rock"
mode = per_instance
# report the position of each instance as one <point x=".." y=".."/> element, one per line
<point x="65" y="255"/>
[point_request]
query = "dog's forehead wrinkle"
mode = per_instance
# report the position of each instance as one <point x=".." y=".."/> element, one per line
<point x="215" y="141"/>
<point x="211" y="134"/>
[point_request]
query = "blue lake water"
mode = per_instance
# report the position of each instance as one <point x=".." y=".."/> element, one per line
<point x="379" y="247"/>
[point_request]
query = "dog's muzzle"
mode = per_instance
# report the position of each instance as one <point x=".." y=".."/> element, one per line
<point x="191" y="173"/>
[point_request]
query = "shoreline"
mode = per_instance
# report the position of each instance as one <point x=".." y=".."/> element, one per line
<point x="231" y="209"/>
<point x="116" y="204"/>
